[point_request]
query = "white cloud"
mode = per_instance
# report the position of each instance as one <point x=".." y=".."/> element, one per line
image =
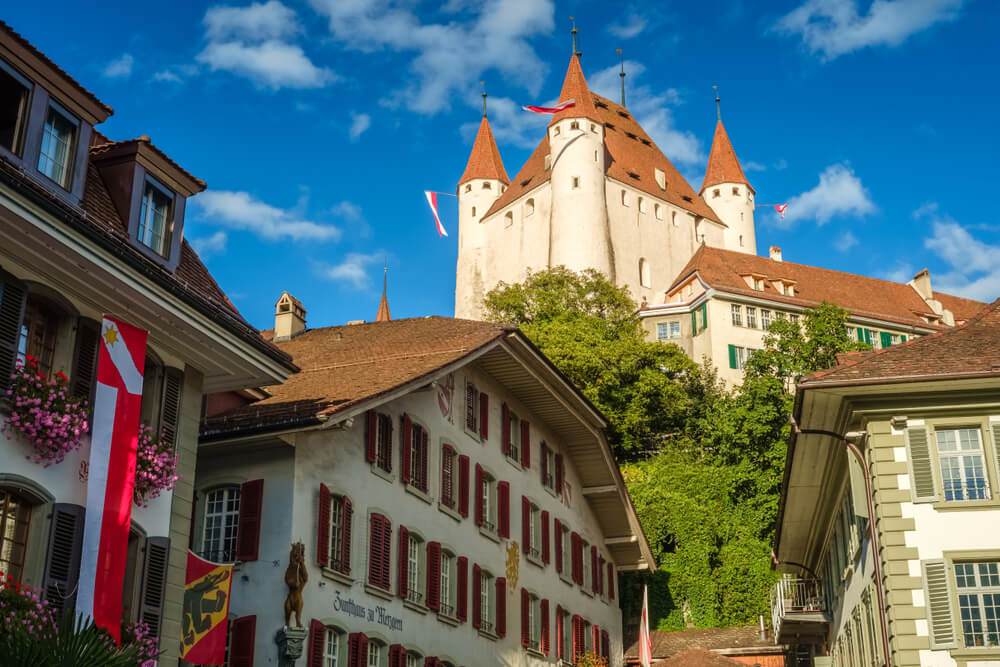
<point x="845" y="241"/>
<point x="449" y="57"/>
<point x="259" y="21"/>
<point x="781" y="164"/>
<point x="974" y="265"/>
<point x="359" y="123"/>
<point x="832" y="28"/>
<point x="353" y="270"/>
<point x="272" y="64"/>
<point x="240" y="210"/>
<point x="168" y="76"/>
<point x="629" y="28"/>
<point x="210" y="245"/>
<point x="839" y="193"/>
<point x="652" y="110"/>
<point x="510" y="124"/>
<point x="750" y="165"/>
<point x="347" y="210"/>
<point x="120" y="67"/>
<point x="901" y="273"/>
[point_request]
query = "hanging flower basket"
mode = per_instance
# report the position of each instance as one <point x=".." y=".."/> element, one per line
<point x="45" y="412"/>
<point x="155" y="467"/>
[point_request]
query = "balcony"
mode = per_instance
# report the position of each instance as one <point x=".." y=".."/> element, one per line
<point x="798" y="611"/>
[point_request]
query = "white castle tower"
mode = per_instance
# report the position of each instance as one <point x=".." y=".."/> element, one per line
<point x="729" y="193"/>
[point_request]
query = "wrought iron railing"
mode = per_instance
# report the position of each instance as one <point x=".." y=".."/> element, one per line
<point x="792" y="595"/>
<point x="414" y="596"/>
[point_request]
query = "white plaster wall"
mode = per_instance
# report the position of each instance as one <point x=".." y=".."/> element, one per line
<point x="737" y="212"/>
<point x="472" y="276"/>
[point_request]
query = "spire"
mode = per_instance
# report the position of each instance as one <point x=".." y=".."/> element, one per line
<point x="383" y="306"/>
<point x="484" y="161"/>
<point x="622" y="74"/>
<point x="575" y="88"/>
<point x="723" y="167"/>
<point x="483" y="83"/>
<point x="718" y="104"/>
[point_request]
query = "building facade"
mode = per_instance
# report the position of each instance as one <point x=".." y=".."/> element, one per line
<point x="721" y="304"/>
<point x="457" y="501"/>
<point x="89" y="227"/>
<point x="891" y="553"/>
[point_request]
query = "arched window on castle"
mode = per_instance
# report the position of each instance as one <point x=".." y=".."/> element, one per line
<point x="642" y="204"/>
<point x="658" y="212"/>
<point x="508" y="219"/>
<point x="644" y="273"/>
<point x="487" y="186"/>
<point x="529" y="207"/>
<point x="624" y="198"/>
<point x="468" y="187"/>
<point x="473" y="211"/>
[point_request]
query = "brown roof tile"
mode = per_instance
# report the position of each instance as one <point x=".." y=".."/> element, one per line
<point x="97" y="150"/>
<point x="341" y="366"/>
<point x="860" y="295"/>
<point x="667" y="644"/>
<point x="575" y="88"/>
<point x="697" y="657"/>
<point x="484" y="160"/>
<point x="723" y="167"/>
<point x="961" y="308"/>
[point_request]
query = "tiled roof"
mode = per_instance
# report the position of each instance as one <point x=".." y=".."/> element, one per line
<point x="723" y="166"/>
<point x="575" y="88"/>
<point x="341" y="366"/>
<point x="632" y="159"/>
<point x="484" y="160"/>
<point x="968" y="350"/>
<point x="99" y="149"/>
<point x="31" y="47"/>
<point x="697" y="657"/>
<point x="667" y="644"/>
<point x="860" y="295"/>
<point x="961" y="308"/>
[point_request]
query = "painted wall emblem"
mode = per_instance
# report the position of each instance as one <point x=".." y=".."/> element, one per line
<point x="445" y="393"/>
<point x="513" y="564"/>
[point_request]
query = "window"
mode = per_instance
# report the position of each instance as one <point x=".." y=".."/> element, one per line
<point x="222" y="514"/>
<point x="555" y="131"/>
<point x="576" y="182"/>
<point x="665" y="330"/>
<point x="738" y="356"/>
<point x="658" y="211"/>
<point x="414" y="455"/>
<point x="473" y="211"/>
<point x="894" y="339"/>
<point x="486" y="500"/>
<point x="741" y="237"/>
<point x="673" y="218"/>
<point x="758" y="284"/>
<point x="624" y="198"/>
<point x="979" y="603"/>
<point x="642" y="204"/>
<point x="737" y="315"/>
<point x="383" y="442"/>
<point x="960" y="454"/>
<point x="793" y="318"/>
<point x="548" y="467"/>
<point x="58" y="146"/>
<point x="414" y="568"/>
<point x="448" y="588"/>
<point x="765" y="319"/>
<point x="595" y="156"/>
<point x="565" y="552"/>
<point x="736" y="191"/>
<point x="529" y="207"/>
<point x="332" y="643"/>
<point x="514" y="424"/>
<point x="751" y="317"/>
<point x="644" y="273"/>
<point x="487" y="186"/>
<point x="14" y="93"/>
<point x="379" y="547"/>
<point x="338" y="530"/>
<point x="715" y="193"/>
<point x="448" y="464"/>
<point x="468" y="188"/>
<point x="374" y="654"/>
<point x="563" y="635"/>
<point x="38" y="333"/>
<point x="154" y="218"/>
<point x="587" y="565"/>
<point x="15" y="516"/>
<point x="575" y="125"/>
<point x="532" y="529"/>
<point x="531" y="608"/>
<point x="413" y="659"/>
<point x="508" y="219"/>
<point x="472" y="410"/>
<point x="486" y="596"/>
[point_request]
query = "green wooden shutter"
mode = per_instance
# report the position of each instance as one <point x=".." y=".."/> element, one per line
<point x="939" y="614"/>
<point x="704" y="315"/>
<point x="861" y="335"/>
<point x="859" y="491"/>
<point x="868" y="336"/>
<point x="12" y="297"/>
<point x="902" y="339"/>
<point x="921" y="465"/>
<point x="694" y="323"/>
<point x="886" y="339"/>
<point x="732" y="357"/>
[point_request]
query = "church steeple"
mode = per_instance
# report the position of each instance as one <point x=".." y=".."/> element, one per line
<point x="723" y="167"/>
<point x="484" y="160"/>
<point x="383" y="306"/>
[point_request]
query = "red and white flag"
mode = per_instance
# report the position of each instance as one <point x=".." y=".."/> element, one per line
<point x="111" y="479"/>
<point x="432" y="199"/>
<point x="568" y="104"/>
<point x="780" y="208"/>
<point x="645" y="643"/>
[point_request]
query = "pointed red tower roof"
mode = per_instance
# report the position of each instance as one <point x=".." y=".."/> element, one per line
<point x="383" y="305"/>
<point x="575" y="88"/>
<point x="723" y="167"/>
<point x="484" y="161"/>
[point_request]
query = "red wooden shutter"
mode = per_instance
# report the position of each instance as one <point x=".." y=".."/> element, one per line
<point x="371" y="435"/>
<point x="248" y="526"/>
<point x="544" y="637"/>
<point x="241" y="641"/>
<point x="594" y="569"/>
<point x="600" y="575"/>
<point x="577" y="638"/>
<point x="479" y="495"/>
<point x="386" y="552"/>
<point x="545" y="537"/>
<point x="611" y="580"/>
<point x="605" y="644"/>
<point x="477" y="598"/>
<point x="505" y="428"/>
<point x="559" y="632"/>
<point x="545" y="462"/>
<point x="525" y="443"/>
<point x="462" y="606"/>
<point x="463" y="485"/>
<point x="323" y="527"/>
<point x="525" y="632"/>
<point x="374" y="550"/>
<point x="448" y="476"/>
<point x="357" y="650"/>
<point x="559" y="473"/>
<point x="559" y="545"/>
<point x="404" y="561"/>
<point x="396" y="656"/>
<point x="424" y="457"/>
<point x="317" y="636"/>
<point x="434" y="576"/>
<point x="503" y="500"/>
<point x="526" y="524"/>
<point x="484" y="416"/>
<point x="501" y="625"/>
<point x="405" y="447"/>
<point x="597" y="638"/>
<point x="345" y="540"/>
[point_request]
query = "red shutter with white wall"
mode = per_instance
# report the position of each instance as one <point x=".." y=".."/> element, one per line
<point x="404" y="561"/>
<point x="594" y="569"/>
<point x="323" y="527"/>
<point x="525" y="443"/>
<point x="503" y="509"/>
<point x="505" y="428"/>
<point x="248" y="525"/>
<point x="462" y="606"/>
<point x="463" y="485"/>
<point x="525" y="625"/>
<point x="242" y="634"/>
<point x="501" y="624"/>
<point x="434" y="576"/>
<point x="559" y="474"/>
<point x="404" y="448"/>
<point x="317" y="637"/>
<point x="477" y="598"/>
<point x="526" y="524"/>
<point x="345" y="538"/>
<point x="611" y="580"/>
<point x="371" y="435"/>
<point x="484" y="416"/>
<point x="544" y="638"/>
<point x="545" y="537"/>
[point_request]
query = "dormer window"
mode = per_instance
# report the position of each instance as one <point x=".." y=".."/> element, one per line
<point x="14" y="92"/>
<point x="58" y="145"/>
<point x="154" y="217"/>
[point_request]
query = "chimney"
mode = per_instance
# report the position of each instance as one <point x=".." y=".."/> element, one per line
<point x="922" y="283"/>
<point x="289" y="317"/>
<point x="776" y="253"/>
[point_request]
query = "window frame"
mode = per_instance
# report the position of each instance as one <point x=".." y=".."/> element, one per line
<point x="71" y="150"/>
<point x="449" y="478"/>
<point x="751" y="317"/>
<point x="223" y="539"/>
<point x="472" y="409"/>
<point x="449" y="583"/>
<point x="513" y="453"/>
<point x="166" y="240"/>
<point x="736" y="311"/>
<point x="979" y="591"/>
<point x="985" y="424"/>
<point x="19" y="141"/>
<point x="960" y="453"/>
<point x="487" y="601"/>
<point x="339" y="658"/>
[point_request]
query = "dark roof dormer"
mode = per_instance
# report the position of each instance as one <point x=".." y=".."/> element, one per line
<point x="150" y="192"/>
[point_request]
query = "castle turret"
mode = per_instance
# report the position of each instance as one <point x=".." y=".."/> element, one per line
<point x="482" y="183"/>
<point x="580" y="234"/>
<point x="730" y="194"/>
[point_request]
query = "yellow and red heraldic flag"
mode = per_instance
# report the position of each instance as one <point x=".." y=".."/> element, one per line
<point x="206" y="611"/>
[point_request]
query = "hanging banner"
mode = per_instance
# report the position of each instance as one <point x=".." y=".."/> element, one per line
<point x="206" y="611"/>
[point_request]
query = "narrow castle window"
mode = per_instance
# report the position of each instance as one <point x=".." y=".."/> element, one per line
<point x="487" y="186"/>
<point x="658" y="212"/>
<point x="642" y="205"/>
<point x="548" y="162"/>
<point x="575" y="125"/>
<point x="593" y="128"/>
<point x="529" y="207"/>
<point x="576" y="182"/>
<point x="644" y="273"/>
<point x="715" y="193"/>
<point x="624" y="198"/>
<point x="673" y="217"/>
<point x="555" y="131"/>
<point x="473" y="211"/>
<point x="741" y="216"/>
<point x="736" y="191"/>
<point x="741" y="240"/>
<point x="595" y="156"/>
<point x="508" y="219"/>
<point x="468" y="187"/>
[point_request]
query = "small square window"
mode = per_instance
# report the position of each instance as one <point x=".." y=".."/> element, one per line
<point x="58" y="147"/>
<point x="715" y="193"/>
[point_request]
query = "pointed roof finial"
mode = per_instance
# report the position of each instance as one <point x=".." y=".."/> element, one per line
<point x="383" y="314"/>
<point x="576" y="48"/>
<point x="483" y="84"/>
<point x="718" y="104"/>
<point x="622" y="75"/>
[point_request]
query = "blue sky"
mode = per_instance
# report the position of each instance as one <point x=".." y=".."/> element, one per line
<point x="318" y="124"/>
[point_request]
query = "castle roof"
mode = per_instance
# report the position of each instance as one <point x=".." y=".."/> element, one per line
<point x="575" y="88"/>
<point x="632" y="158"/>
<point x="484" y="160"/>
<point x="723" y="167"/>
<point x="725" y="271"/>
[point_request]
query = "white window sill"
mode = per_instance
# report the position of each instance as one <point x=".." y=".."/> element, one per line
<point x="448" y="620"/>
<point x="534" y="651"/>
<point x="387" y="476"/>
<point x="534" y="560"/>
<point x="488" y="635"/>
<point x="551" y="491"/>
<point x="338" y="576"/>
<point x="418" y="493"/>
<point x="473" y="434"/>
<point x="415" y="606"/>
<point x="515" y="463"/>
<point x="566" y="578"/>
<point x="489" y="534"/>
<point x="449" y="511"/>
<point x="378" y="592"/>
<point x="586" y="590"/>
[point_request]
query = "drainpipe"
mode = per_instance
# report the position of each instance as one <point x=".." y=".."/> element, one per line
<point x="873" y="533"/>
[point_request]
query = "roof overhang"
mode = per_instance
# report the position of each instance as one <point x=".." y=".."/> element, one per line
<point x="153" y="160"/>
